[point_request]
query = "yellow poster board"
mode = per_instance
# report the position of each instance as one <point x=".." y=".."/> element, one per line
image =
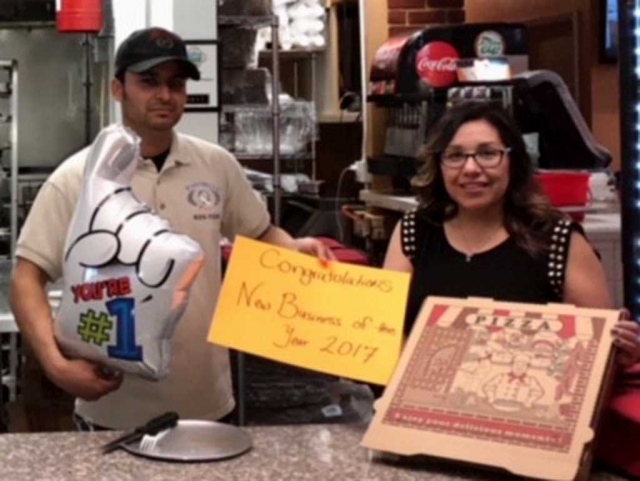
<point x="340" y="319"/>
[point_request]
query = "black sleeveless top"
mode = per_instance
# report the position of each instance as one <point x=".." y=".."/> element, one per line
<point x="507" y="272"/>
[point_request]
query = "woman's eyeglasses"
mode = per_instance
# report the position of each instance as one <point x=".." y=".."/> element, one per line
<point x="483" y="157"/>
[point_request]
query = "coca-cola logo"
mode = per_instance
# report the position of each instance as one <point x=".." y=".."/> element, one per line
<point x="447" y="64"/>
<point x="437" y="63"/>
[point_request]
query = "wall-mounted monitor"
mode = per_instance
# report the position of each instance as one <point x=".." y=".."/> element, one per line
<point x="609" y="31"/>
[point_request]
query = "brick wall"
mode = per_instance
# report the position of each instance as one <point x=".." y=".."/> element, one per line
<point x="411" y="15"/>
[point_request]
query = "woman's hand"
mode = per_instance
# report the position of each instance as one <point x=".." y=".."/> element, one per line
<point x="627" y="339"/>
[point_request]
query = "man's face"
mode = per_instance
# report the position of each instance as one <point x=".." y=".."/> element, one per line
<point x="153" y="100"/>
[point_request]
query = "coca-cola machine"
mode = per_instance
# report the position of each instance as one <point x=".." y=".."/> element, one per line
<point x="417" y="77"/>
<point x="419" y="62"/>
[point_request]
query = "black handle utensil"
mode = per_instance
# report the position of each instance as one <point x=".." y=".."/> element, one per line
<point x="160" y="423"/>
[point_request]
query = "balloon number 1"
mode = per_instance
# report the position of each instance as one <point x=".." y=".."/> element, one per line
<point x="126" y="348"/>
<point x="123" y="264"/>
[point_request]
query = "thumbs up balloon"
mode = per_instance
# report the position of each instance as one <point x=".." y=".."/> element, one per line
<point x="126" y="274"/>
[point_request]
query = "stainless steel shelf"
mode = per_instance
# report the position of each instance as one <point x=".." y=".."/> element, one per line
<point x="294" y="54"/>
<point x="247" y="156"/>
<point x="23" y="24"/>
<point x="245" y="21"/>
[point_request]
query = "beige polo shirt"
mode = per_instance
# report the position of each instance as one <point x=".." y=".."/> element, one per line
<point x="202" y="191"/>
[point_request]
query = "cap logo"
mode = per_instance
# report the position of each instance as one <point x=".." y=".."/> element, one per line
<point x="162" y="39"/>
<point x="164" y="42"/>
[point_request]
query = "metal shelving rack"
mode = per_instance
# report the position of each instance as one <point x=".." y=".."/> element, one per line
<point x="276" y="55"/>
<point x="9" y="91"/>
<point x="297" y="55"/>
<point x="272" y="21"/>
<point x="225" y="21"/>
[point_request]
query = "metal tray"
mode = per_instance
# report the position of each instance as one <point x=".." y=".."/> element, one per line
<point x="192" y="441"/>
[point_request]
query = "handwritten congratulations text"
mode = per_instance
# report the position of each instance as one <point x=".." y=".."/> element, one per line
<point x="287" y="306"/>
<point x="271" y="260"/>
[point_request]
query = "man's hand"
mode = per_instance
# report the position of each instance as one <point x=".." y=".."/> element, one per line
<point x="32" y="312"/>
<point x="83" y="379"/>
<point x="314" y="247"/>
<point x="306" y="245"/>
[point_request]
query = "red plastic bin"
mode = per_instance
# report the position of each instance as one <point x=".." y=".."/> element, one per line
<point x="565" y="188"/>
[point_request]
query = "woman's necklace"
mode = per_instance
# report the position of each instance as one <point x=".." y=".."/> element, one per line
<point x="469" y="253"/>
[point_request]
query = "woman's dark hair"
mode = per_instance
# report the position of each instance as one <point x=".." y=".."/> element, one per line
<point x="528" y="215"/>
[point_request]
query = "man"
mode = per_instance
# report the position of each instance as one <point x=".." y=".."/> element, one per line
<point x="201" y="189"/>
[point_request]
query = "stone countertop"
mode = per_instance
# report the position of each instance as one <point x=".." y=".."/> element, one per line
<point x="291" y="453"/>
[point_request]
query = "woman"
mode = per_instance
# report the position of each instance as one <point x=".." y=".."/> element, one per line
<point x="485" y="229"/>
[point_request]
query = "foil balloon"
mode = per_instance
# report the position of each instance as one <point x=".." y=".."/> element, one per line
<point x="126" y="274"/>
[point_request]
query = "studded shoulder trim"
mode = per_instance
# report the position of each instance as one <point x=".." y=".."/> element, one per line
<point x="408" y="234"/>
<point x="558" y="254"/>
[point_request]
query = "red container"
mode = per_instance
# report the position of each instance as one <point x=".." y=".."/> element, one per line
<point x="565" y="188"/>
<point x="80" y="16"/>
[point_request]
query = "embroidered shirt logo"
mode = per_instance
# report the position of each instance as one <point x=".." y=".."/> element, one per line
<point x="203" y="195"/>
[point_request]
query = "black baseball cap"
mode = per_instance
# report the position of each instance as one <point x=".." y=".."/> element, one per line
<point x="144" y="49"/>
